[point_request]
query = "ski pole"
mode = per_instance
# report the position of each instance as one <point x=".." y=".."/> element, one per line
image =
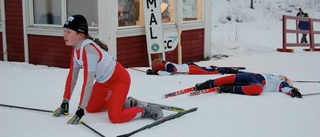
<point x="49" y="111"/>
<point x="302" y="81"/>
<point x="160" y="121"/>
<point x="137" y="69"/>
<point x="26" y="108"/>
<point x="310" y="94"/>
<point x="95" y="131"/>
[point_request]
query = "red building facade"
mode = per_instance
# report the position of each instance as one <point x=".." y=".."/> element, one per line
<point x="23" y="39"/>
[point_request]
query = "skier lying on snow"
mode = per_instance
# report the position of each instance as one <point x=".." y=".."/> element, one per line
<point x="251" y="84"/>
<point x="164" y="68"/>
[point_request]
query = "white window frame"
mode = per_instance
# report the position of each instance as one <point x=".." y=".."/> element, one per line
<point x="126" y="31"/>
<point x="50" y="29"/>
<point x="63" y="15"/>
<point x="194" y="24"/>
<point x="123" y="31"/>
<point x="135" y="30"/>
<point x="2" y="10"/>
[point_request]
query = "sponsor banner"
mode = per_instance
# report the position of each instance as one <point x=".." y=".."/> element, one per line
<point x="170" y="40"/>
<point x="153" y="26"/>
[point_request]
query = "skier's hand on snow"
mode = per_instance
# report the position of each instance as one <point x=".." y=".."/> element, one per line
<point x="295" y="93"/>
<point x="62" y="110"/>
<point x="151" y="72"/>
<point x="76" y="118"/>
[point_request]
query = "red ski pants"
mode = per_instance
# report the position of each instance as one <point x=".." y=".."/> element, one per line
<point x="111" y="96"/>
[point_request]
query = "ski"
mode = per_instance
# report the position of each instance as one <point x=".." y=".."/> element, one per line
<point x="164" y="107"/>
<point x="136" y="102"/>
<point x="204" y="91"/>
<point x="160" y="121"/>
<point x="179" y="92"/>
<point x="217" y="68"/>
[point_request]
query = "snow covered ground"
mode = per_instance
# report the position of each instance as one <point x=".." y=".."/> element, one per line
<point x="251" y="43"/>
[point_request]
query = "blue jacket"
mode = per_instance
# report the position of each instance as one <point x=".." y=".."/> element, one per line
<point x="303" y="25"/>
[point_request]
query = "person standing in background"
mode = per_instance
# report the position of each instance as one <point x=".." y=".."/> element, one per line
<point x="299" y="14"/>
<point x="304" y="25"/>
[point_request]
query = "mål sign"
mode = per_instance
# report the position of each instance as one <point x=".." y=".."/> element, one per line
<point x="153" y="26"/>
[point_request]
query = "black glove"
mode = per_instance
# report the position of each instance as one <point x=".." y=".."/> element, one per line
<point x="76" y="118"/>
<point x="152" y="72"/>
<point x="232" y="71"/>
<point x="295" y="93"/>
<point x="62" y="110"/>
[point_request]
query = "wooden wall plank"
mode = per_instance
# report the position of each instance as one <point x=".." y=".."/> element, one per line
<point x="49" y="50"/>
<point x="14" y="30"/>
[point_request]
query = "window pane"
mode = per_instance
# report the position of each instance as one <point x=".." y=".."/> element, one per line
<point x="0" y="14"/>
<point x="87" y="8"/>
<point x="130" y="12"/>
<point x="167" y="6"/>
<point x="192" y="10"/>
<point x="47" y="12"/>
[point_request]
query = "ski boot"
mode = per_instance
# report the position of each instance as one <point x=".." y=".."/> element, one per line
<point x="227" y="89"/>
<point x="154" y="112"/>
<point x="131" y="102"/>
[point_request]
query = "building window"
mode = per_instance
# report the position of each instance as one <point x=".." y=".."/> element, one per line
<point x="47" y="12"/>
<point x="87" y="8"/>
<point x="50" y="12"/>
<point x="130" y="12"/>
<point x="167" y="11"/>
<point x="0" y="13"/>
<point x="192" y="10"/>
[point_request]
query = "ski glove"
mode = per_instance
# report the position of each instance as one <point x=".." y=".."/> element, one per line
<point x="295" y="93"/>
<point x="152" y="72"/>
<point x="76" y="118"/>
<point x="62" y="110"/>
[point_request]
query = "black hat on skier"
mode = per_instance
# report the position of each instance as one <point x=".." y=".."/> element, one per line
<point x="77" y="23"/>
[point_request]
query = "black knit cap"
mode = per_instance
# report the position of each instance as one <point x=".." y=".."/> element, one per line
<point x="77" y="23"/>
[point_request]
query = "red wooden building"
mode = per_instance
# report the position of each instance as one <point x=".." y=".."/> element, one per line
<point x="32" y="30"/>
